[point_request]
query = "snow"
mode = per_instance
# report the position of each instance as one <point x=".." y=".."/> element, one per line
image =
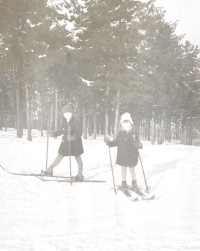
<point x="85" y="81"/>
<point x="40" y="216"/>
<point x="70" y="47"/>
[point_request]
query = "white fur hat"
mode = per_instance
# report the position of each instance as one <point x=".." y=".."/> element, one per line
<point x="126" y="116"/>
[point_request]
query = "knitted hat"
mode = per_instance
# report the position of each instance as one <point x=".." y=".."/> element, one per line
<point x="126" y="116"/>
<point x="67" y="108"/>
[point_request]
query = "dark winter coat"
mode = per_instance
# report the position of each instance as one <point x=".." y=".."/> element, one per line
<point x="127" y="149"/>
<point x="74" y="129"/>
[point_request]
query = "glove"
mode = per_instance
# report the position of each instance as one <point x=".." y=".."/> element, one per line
<point x="52" y="134"/>
<point x="70" y="138"/>
<point x="138" y="145"/>
<point x="108" y="142"/>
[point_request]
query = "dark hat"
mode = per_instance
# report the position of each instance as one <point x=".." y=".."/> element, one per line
<point x="67" y="108"/>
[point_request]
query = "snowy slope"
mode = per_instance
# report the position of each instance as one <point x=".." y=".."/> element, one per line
<point x="40" y="216"/>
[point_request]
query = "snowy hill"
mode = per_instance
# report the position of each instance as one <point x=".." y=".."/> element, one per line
<point x="40" y="216"/>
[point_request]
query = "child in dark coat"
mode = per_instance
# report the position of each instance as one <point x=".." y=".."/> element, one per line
<point x="127" y="149"/>
<point x="71" y="144"/>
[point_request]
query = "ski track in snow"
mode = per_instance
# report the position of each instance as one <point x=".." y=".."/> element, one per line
<point x="40" y="216"/>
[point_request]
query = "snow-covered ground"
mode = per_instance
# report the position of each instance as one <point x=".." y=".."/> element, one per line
<point x="52" y="216"/>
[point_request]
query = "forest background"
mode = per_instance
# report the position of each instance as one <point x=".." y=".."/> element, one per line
<point x="102" y="57"/>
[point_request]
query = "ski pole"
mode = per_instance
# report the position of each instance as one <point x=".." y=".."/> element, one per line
<point x="47" y="150"/>
<point x="112" y="170"/>
<point x="147" y="187"/>
<point x="48" y="132"/>
<point x="69" y="144"/>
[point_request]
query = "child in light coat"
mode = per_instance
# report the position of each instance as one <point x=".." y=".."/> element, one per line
<point x="127" y="149"/>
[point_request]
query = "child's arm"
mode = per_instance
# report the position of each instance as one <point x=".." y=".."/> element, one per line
<point x="78" y="130"/>
<point x="112" y="143"/>
<point x="137" y="143"/>
<point x="59" y="132"/>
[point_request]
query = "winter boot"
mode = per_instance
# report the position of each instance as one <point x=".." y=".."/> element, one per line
<point x="124" y="186"/>
<point x="135" y="185"/>
<point x="45" y="173"/>
<point x="79" y="178"/>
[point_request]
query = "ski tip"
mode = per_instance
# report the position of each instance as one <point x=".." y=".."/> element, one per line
<point x="152" y="197"/>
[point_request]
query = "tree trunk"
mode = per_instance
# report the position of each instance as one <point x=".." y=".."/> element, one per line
<point x="177" y="131"/>
<point x="184" y="132"/>
<point x="28" y="115"/>
<point x="102" y="123"/>
<point x="106" y="134"/>
<point x="56" y="110"/>
<point x="116" y="126"/>
<point x="95" y="123"/>
<point x="152" y="128"/>
<point x="137" y="128"/>
<point x="4" y="109"/>
<point x="89" y="125"/>
<point x="147" y="129"/>
<point x="84" y="124"/>
<point x="40" y="106"/>
<point x="190" y="132"/>
<point x="18" y="108"/>
<point x="162" y="130"/>
<point x="60" y="114"/>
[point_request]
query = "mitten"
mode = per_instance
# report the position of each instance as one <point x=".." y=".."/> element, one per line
<point x="108" y="142"/>
<point x="53" y="134"/>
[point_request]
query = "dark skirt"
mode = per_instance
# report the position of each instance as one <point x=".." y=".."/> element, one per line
<point x="76" y="148"/>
